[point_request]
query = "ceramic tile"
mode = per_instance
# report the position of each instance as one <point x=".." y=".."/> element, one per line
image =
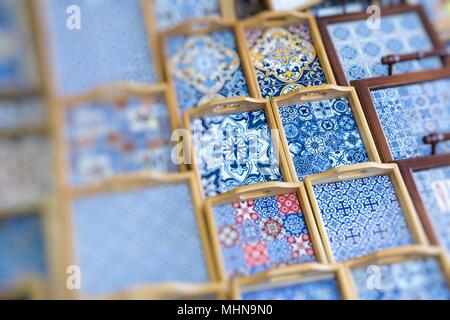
<point x="410" y="112"/>
<point x="22" y="250"/>
<point x="261" y="234"/>
<point x="434" y="189"/>
<point x="362" y="216"/>
<point x="284" y="58"/>
<point x="106" y="139"/>
<point x="22" y="113"/>
<point x="17" y="64"/>
<point x="205" y="68"/>
<point x="234" y="150"/>
<point x="322" y="135"/>
<point x="411" y="280"/>
<point x="170" y="13"/>
<point x="326" y="289"/>
<point x="360" y="48"/>
<point x="153" y="231"/>
<point x="111" y="46"/>
<point x="25" y="177"/>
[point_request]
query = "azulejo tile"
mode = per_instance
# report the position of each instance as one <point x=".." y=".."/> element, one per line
<point x="111" y="46"/>
<point x="17" y="64"/>
<point x="322" y="135"/>
<point x="410" y="112"/>
<point x="22" y="250"/>
<point x="153" y="231"/>
<point x="326" y="289"/>
<point x="361" y="216"/>
<point x="284" y="59"/>
<point x="25" y="171"/>
<point x="107" y="139"/>
<point x="361" y="48"/>
<point x="234" y="150"/>
<point x="420" y="279"/>
<point x="170" y="13"/>
<point x="434" y="189"/>
<point x="22" y="113"/>
<point x="205" y="68"/>
<point x="261" y="234"/>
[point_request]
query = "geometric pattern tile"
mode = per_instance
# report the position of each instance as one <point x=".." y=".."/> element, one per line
<point x="322" y="135"/>
<point x="420" y="279"/>
<point x="262" y="234"/>
<point x="409" y="112"/>
<point x="285" y="59"/>
<point x="360" y="48"/>
<point x="148" y="236"/>
<point x="362" y="216"/>
<point x="107" y="139"/>
<point x="434" y="189"/>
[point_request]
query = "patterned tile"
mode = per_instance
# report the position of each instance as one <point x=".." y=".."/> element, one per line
<point x="312" y="290"/>
<point x="170" y="13"/>
<point x="105" y="139"/>
<point x="205" y="68"/>
<point x="154" y="233"/>
<point x="25" y="166"/>
<point x="111" y="46"/>
<point x="360" y="48"/>
<point x="22" y="250"/>
<point x="22" y="113"/>
<point x="261" y="234"/>
<point x="284" y="58"/>
<point x="362" y="216"/>
<point x="322" y="135"/>
<point x="17" y="65"/>
<point x="411" y="280"/>
<point x="434" y="190"/>
<point x="410" y="112"/>
<point x="234" y="150"/>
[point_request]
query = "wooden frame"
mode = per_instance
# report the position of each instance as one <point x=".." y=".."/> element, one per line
<point x="254" y="192"/>
<point x="396" y="255"/>
<point x="320" y="93"/>
<point x="290" y="276"/>
<point x="407" y="168"/>
<point x="31" y="286"/>
<point x="276" y="19"/>
<point x="197" y="27"/>
<point x="230" y="106"/>
<point x="331" y="50"/>
<point x="442" y="27"/>
<point x="306" y="5"/>
<point x="359" y="171"/>
<point x="130" y="183"/>
<point x="364" y="88"/>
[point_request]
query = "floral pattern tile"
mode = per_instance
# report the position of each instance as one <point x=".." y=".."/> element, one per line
<point x="205" y="68"/>
<point x="360" y="48"/>
<point x="107" y="139"/>
<point x="322" y="135"/>
<point x="362" y="216"/>
<point x="25" y="171"/>
<point x="408" y="113"/>
<point x="234" y="150"/>
<point x="111" y="46"/>
<point x="411" y="280"/>
<point x="147" y="236"/>
<point x="285" y="59"/>
<point x="22" y="250"/>
<point x="326" y="289"/>
<point x="22" y="113"/>
<point x="261" y="234"/>
<point x="434" y="189"/>
<point x="170" y="13"/>
<point x="17" y="64"/>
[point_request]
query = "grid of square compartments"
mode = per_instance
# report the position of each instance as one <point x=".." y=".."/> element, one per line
<point x="283" y="196"/>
